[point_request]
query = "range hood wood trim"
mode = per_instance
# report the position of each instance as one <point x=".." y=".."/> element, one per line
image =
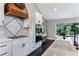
<point x="12" y="9"/>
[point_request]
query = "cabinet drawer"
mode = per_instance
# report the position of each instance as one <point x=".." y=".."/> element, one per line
<point x="5" y="48"/>
<point x="6" y="53"/>
<point x="5" y="44"/>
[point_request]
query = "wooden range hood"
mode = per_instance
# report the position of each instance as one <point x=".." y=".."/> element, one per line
<point x="16" y="9"/>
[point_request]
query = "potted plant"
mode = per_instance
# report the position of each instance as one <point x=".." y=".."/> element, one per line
<point x="62" y="31"/>
<point x="74" y="30"/>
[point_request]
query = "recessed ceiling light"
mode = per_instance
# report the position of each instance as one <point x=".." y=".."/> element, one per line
<point x="55" y="9"/>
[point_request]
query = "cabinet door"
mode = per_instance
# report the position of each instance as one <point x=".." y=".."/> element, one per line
<point x="38" y="18"/>
<point x="38" y="44"/>
<point x="24" y="46"/>
<point x="26" y="49"/>
<point x="5" y="49"/>
<point x="18" y="47"/>
<point x="17" y="50"/>
<point x="31" y="44"/>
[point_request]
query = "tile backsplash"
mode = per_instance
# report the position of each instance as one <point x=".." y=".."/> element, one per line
<point x="12" y="26"/>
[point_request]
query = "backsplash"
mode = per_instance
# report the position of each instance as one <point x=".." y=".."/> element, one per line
<point x="13" y="26"/>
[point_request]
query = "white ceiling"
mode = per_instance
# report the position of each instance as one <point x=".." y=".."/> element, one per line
<point x="63" y="10"/>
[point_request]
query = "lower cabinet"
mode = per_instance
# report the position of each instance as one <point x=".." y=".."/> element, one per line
<point x="22" y="47"/>
<point x="5" y="48"/>
<point x="38" y="44"/>
<point x="19" y="47"/>
<point x="32" y="44"/>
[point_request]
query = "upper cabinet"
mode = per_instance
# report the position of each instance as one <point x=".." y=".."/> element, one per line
<point x="16" y="9"/>
<point x="38" y="18"/>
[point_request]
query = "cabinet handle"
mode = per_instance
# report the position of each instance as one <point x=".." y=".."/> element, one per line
<point x="33" y="42"/>
<point x="23" y="45"/>
<point x="32" y="47"/>
<point x="3" y="45"/>
<point x="3" y="53"/>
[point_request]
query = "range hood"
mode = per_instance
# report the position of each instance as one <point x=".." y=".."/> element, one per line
<point x="16" y="9"/>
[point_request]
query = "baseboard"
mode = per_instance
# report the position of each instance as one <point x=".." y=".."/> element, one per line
<point x="50" y="38"/>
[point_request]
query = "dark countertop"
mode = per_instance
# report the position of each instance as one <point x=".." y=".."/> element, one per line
<point x="15" y="37"/>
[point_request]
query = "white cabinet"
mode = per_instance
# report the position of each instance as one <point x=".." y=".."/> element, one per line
<point x="18" y="47"/>
<point x="23" y="46"/>
<point x="27" y="48"/>
<point x="31" y="44"/>
<point x="38" y="44"/>
<point x="5" y="48"/>
<point x="38" y="18"/>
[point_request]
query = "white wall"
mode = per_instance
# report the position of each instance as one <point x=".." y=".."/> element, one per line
<point x="32" y="17"/>
<point x="50" y="29"/>
<point x="1" y="13"/>
<point x="1" y="18"/>
<point x="51" y="25"/>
